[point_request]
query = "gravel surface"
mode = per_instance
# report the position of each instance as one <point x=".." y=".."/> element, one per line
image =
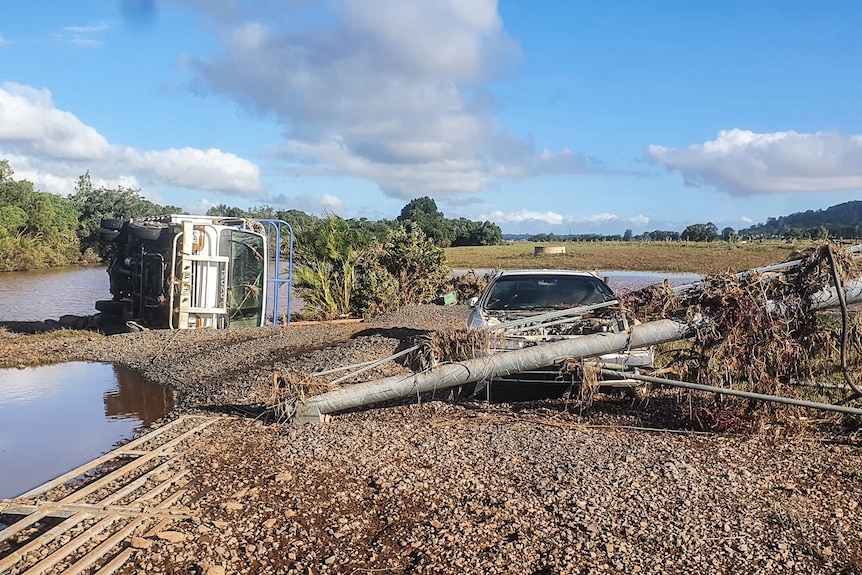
<point x="438" y="487"/>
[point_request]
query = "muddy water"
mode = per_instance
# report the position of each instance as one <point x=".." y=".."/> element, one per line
<point x="49" y="294"/>
<point x="55" y="418"/>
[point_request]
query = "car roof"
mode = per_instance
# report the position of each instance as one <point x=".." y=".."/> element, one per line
<point x="547" y="272"/>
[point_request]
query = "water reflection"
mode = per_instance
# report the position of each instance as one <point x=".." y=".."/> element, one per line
<point x="137" y="398"/>
<point x="54" y="418"/>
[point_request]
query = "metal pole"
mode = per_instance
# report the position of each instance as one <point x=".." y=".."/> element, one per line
<point x="483" y="368"/>
<point x="734" y="392"/>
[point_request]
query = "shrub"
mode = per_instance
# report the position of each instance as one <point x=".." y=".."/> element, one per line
<point x="406" y="268"/>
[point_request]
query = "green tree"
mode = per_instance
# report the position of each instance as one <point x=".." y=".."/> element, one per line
<point x="423" y="213"/>
<point x="728" y="234"/>
<point x="225" y="211"/>
<point x="94" y="204"/>
<point x="700" y="233"/>
<point x="326" y="257"/>
<point x="37" y="229"/>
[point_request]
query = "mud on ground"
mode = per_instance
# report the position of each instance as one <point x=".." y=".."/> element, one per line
<point x="442" y="487"/>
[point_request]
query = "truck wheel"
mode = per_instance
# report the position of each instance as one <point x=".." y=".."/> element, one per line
<point x="146" y="230"/>
<point x="112" y="223"/>
<point x="108" y="235"/>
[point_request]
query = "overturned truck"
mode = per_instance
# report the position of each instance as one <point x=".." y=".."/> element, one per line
<point x="189" y="272"/>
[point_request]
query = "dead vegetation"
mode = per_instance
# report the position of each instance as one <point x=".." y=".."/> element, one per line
<point x="469" y="284"/>
<point x="753" y="331"/>
<point x="289" y="390"/>
<point x="757" y="332"/>
<point x="450" y="345"/>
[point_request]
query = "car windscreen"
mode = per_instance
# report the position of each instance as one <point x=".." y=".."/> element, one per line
<point x="524" y="292"/>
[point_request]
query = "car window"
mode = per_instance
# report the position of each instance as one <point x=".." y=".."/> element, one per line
<point x="549" y="292"/>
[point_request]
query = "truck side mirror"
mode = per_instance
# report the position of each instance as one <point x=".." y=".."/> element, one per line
<point x="473" y="301"/>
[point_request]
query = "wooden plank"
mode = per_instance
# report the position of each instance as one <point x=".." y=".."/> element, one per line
<point x="100" y="550"/>
<point x="132" y="465"/>
<point x="66" y="510"/>
<point x="22" y="524"/>
<point x="46" y="537"/>
<point x="75" y="511"/>
<point x="67" y="549"/>
<point x="114" y="564"/>
<point x="136" y="484"/>
<point x="119" y="452"/>
<point x="87" y="535"/>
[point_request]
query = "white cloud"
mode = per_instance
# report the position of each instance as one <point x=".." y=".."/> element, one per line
<point x="521" y="216"/>
<point x="743" y="162"/>
<point x="317" y="205"/>
<point x="83" y="35"/>
<point x="89" y="29"/>
<point x="30" y="123"/>
<point x="196" y="169"/>
<point x="52" y="147"/>
<point x="595" y="218"/>
<point x="746" y="219"/>
<point x="3" y="40"/>
<point x="639" y="220"/>
<point x="393" y="92"/>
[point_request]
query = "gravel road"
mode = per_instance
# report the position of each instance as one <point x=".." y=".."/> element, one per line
<point x="437" y="487"/>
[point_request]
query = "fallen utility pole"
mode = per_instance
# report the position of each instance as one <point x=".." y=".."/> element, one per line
<point x="502" y="364"/>
<point x="483" y="368"/>
<point x="734" y="392"/>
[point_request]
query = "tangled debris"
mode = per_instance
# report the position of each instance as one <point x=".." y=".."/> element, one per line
<point x="760" y="331"/>
<point x="450" y="345"/>
<point x="290" y="389"/>
<point x="469" y="284"/>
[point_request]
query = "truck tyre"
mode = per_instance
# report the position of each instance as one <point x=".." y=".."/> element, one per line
<point x="112" y="223"/>
<point x="146" y="230"/>
<point x="108" y="235"/>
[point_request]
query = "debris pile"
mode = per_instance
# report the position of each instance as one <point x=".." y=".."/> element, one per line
<point x="469" y="284"/>
<point x="450" y="345"/>
<point x="756" y="330"/>
<point x="290" y="389"/>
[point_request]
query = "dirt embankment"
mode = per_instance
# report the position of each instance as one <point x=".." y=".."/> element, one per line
<point x="468" y="488"/>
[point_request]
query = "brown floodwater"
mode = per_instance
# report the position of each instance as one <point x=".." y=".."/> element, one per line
<point x="48" y="294"/>
<point x="55" y="418"/>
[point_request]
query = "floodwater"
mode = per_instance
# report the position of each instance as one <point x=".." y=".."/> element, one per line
<point x="55" y="418"/>
<point x="48" y="294"/>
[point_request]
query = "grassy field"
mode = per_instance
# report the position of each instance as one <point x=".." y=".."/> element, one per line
<point x="690" y="257"/>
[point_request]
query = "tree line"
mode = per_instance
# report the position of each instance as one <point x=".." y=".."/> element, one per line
<point x="41" y="229"/>
<point x="839" y="221"/>
<point x="420" y="213"/>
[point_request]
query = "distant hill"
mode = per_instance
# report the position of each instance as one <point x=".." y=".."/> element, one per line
<point x="842" y="221"/>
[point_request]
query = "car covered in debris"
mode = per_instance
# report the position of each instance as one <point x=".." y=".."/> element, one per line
<point x="523" y="308"/>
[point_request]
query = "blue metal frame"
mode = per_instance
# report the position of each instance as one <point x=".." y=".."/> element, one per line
<point x="275" y="281"/>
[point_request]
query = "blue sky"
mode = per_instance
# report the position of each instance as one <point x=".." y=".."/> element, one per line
<point x="570" y="117"/>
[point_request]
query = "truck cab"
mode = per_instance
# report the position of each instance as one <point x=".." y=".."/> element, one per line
<point x="186" y="272"/>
